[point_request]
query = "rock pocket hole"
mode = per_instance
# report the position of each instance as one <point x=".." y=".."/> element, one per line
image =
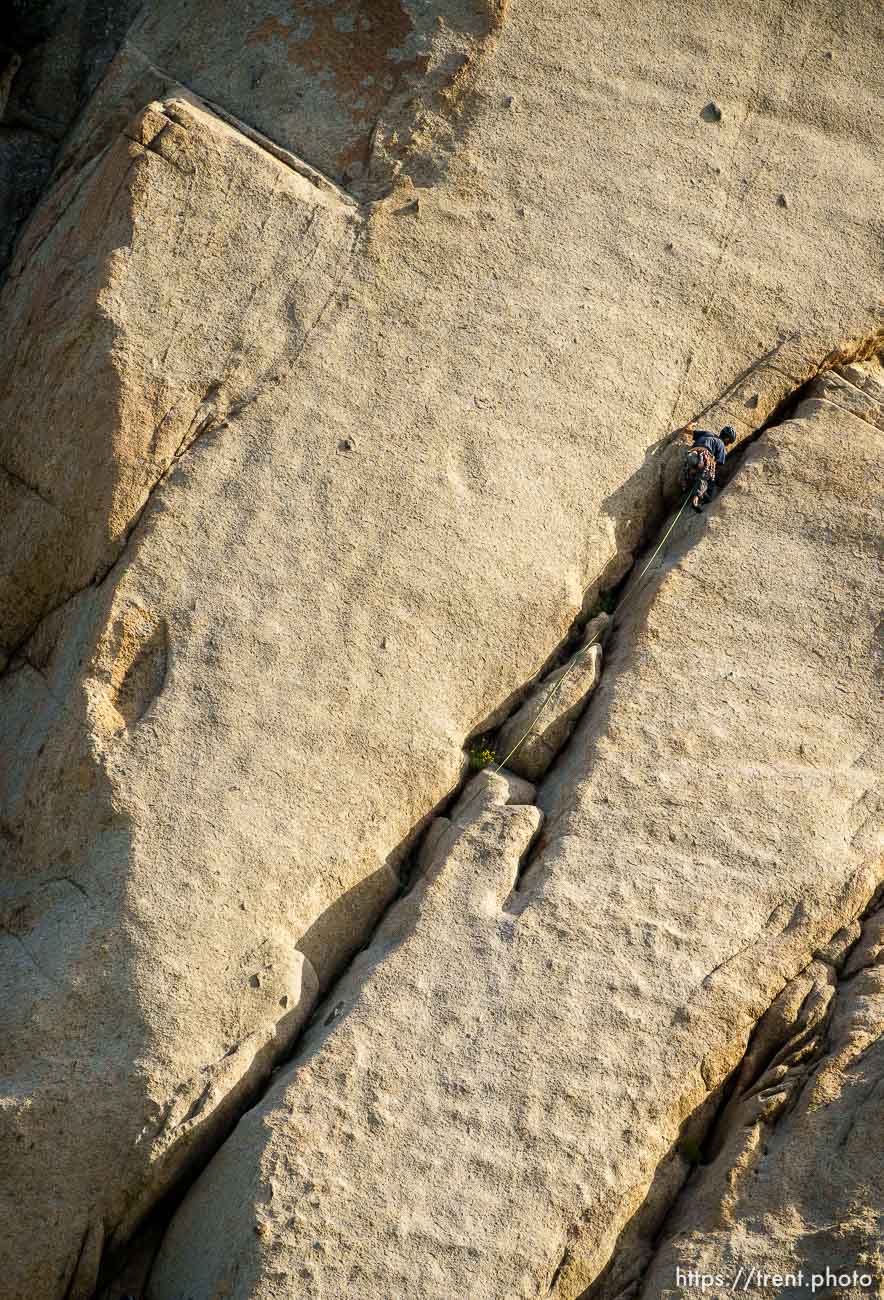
<point x="139" y="665"/>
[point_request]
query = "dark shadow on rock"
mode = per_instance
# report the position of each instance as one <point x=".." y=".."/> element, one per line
<point x="340" y="930"/>
<point x="641" y="1234"/>
<point x="64" y="47"/>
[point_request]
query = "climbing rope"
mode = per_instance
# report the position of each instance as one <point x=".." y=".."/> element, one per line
<point x="557" y="686"/>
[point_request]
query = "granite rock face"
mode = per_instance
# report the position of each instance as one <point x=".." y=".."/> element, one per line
<point x="503" y="1088"/>
<point x="323" y="415"/>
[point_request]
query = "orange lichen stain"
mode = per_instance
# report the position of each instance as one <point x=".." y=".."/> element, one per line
<point x="354" y="49"/>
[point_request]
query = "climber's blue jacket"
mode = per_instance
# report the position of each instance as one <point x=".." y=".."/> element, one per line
<point x="712" y="443"/>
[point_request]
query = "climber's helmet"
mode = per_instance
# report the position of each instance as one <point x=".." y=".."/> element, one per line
<point x="728" y="435"/>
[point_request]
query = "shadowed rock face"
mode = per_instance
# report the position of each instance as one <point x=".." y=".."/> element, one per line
<point x="52" y="53"/>
<point x="298" y="493"/>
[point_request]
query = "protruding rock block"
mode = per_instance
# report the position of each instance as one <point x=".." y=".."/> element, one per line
<point x="530" y="740"/>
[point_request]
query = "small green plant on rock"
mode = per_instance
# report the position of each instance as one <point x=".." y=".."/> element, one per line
<point x="480" y="756"/>
<point x="691" y="1151"/>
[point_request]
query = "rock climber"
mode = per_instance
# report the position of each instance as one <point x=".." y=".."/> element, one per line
<point x="701" y="461"/>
